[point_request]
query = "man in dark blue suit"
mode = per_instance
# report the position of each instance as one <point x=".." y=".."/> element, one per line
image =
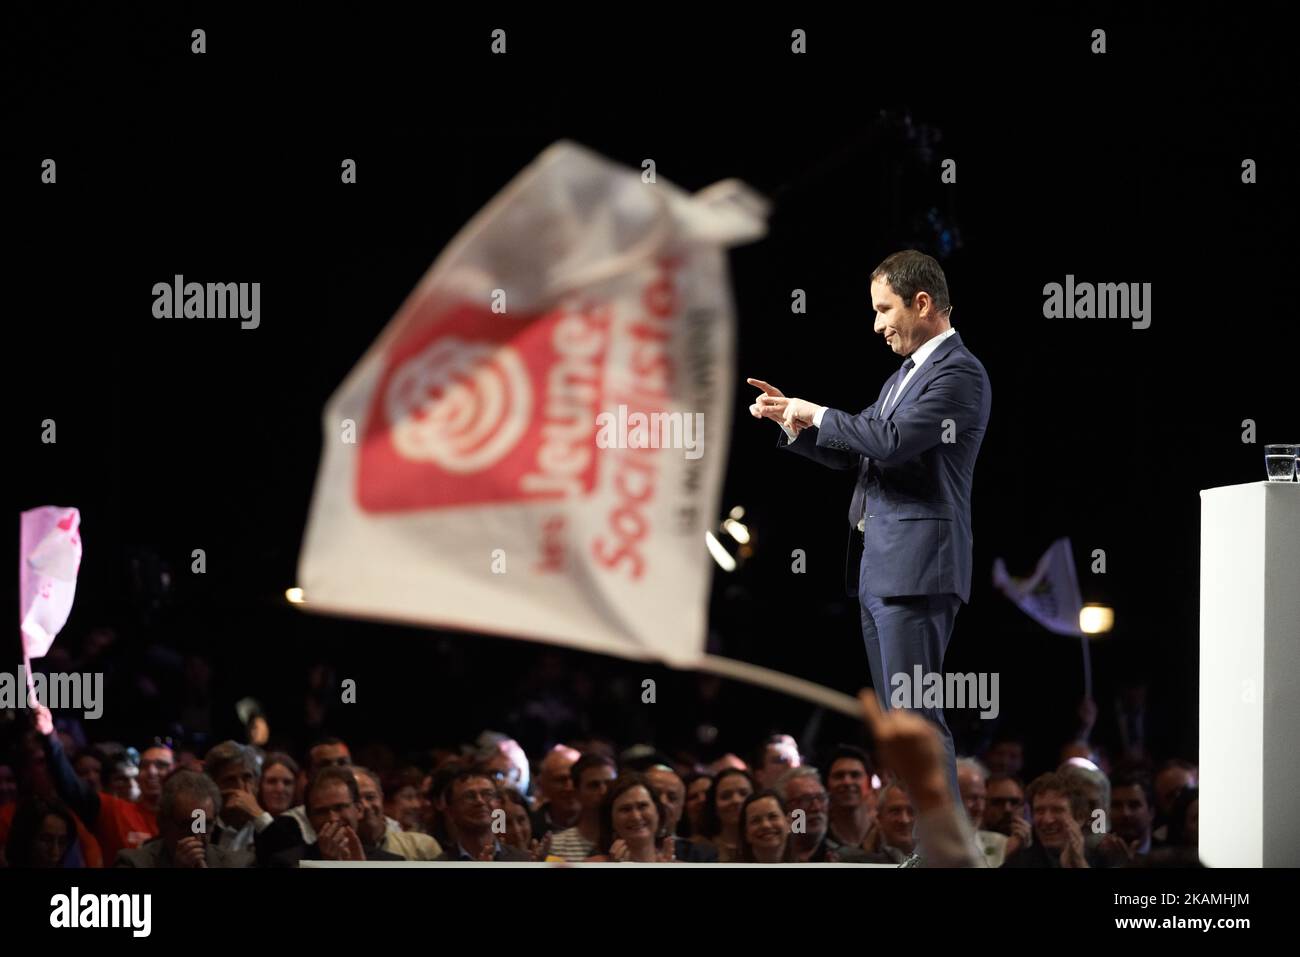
<point x="914" y="450"/>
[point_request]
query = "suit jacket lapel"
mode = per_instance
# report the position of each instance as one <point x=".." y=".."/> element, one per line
<point x="923" y="374"/>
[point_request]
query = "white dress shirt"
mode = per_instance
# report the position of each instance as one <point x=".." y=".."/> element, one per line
<point x="241" y="838"/>
<point x="918" y="357"/>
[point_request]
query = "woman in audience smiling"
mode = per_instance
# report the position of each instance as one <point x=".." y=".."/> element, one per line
<point x="764" y="830"/>
<point x="721" y="819"/>
<point x="279" y="771"/>
<point x="631" y="823"/>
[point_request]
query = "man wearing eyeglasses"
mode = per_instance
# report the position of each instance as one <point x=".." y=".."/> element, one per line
<point x="187" y="809"/>
<point x="294" y="826"/>
<point x="334" y="807"/>
<point x="807" y="803"/>
<point x="471" y="799"/>
<point x="1004" y="812"/>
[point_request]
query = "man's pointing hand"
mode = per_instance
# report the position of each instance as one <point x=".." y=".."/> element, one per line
<point x="769" y="405"/>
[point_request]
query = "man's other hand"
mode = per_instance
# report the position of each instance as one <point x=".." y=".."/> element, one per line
<point x="799" y="413"/>
<point x="239" y="807"/>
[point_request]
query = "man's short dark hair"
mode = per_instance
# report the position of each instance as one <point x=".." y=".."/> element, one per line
<point x="114" y="760"/>
<point x="588" y="761"/>
<point x="847" y="752"/>
<point x="464" y="774"/>
<point x="332" y="775"/>
<point x="1001" y="776"/>
<point x="440" y="780"/>
<point x="911" y="271"/>
<point x="1051" y="781"/>
<point x="327" y="741"/>
<point x="1133" y="779"/>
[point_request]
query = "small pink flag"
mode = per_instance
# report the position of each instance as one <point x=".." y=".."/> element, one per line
<point x="48" y="559"/>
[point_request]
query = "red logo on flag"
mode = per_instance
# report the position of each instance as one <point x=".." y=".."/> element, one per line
<point x="477" y="407"/>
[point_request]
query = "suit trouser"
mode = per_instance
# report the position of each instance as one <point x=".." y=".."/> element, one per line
<point x="900" y="633"/>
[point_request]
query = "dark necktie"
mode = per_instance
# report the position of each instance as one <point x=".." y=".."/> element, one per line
<point x="898" y="386"/>
<point x="858" y="506"/>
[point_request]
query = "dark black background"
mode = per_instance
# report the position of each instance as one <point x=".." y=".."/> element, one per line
<point x="1117" y="168"/>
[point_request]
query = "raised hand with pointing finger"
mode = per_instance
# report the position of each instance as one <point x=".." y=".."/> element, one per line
<point x="770" y="404"/>
<point x="792" y="414"/>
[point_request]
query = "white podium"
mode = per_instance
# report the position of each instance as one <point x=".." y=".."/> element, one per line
<point x="1250" y="676"/>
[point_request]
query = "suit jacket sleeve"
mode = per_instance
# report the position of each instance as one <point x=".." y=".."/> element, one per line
<point x="952" y="394"/>
<point x="280" y="835"/>
<point x="808" y="446"/>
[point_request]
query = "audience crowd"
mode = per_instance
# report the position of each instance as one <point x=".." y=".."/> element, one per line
<point x="241" y="804"/>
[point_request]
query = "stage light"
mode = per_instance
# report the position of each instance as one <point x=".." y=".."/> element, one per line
<point x="730" y="543"/>
<point x="736" y="530"/>
<point x="1096" y="619"/>
<point x="294" y="596"/>
<point x="719" y="553"/>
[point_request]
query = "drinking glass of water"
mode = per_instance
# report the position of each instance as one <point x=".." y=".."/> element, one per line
<point x="1280" y="460"/>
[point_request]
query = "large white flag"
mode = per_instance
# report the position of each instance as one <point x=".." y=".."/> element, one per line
<point x="485" y="464"/>
<point x="1050" y="595"/>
